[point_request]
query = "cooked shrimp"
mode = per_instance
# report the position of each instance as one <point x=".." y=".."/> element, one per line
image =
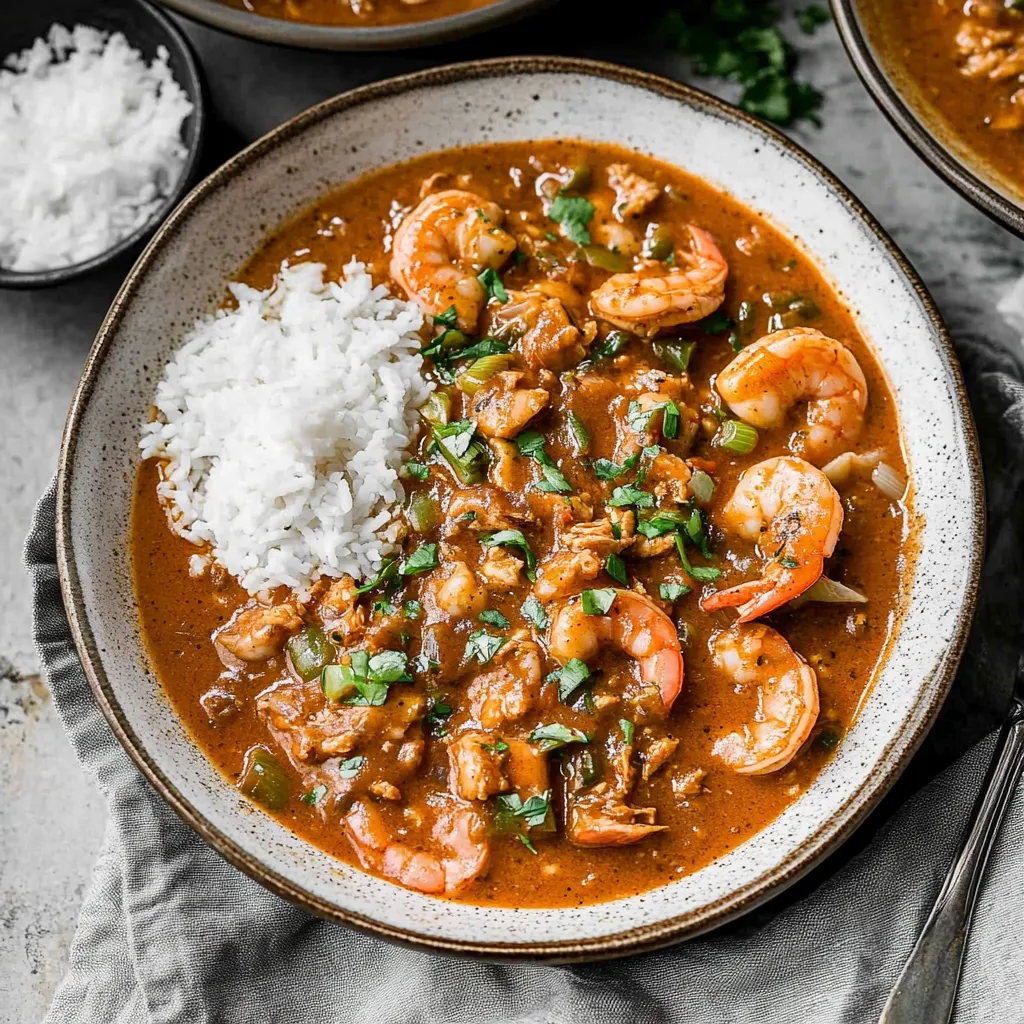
<point x="511" y="689"/>
<point x="460" y="831"/>
<point x="441" y="247"/>
<point x="256" y="634"/>
<point x="454" y="590"/>
<point x="794" y="514"/>
<point x="659" y="296"/>
<point x="634" y="624"/>
<point x="787" y="698"/>
<point x="503" y="406"/>
<point x="799" y="364"/>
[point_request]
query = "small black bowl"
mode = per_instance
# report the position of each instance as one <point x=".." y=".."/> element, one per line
<point x="146" y="29"/>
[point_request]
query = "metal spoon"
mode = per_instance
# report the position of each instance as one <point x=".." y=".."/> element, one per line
<point x="926" y="989"/>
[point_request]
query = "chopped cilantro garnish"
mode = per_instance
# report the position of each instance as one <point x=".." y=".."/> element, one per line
<point x="492" y="617"/>
<point x="388" y="572"/>
<point x="553" y="736"/>
<point x="349" y="768"/>
<point x="533" y="611"/>
<point x="438" y="714"/>
<point x="412" y="609"/>
<point x="483" y="646"/>
<point x="574" y="213"/>
<point x="449" y="318"/>
<point x="630" y="495"/>
<point x="423" y="559"/>
<point x="531" y="445"/>
<point x="616" y="568"/>
<point x="597" y="602"/>
<point x="573" y="674"/>
<point x="493" y="287"/>
<point x="416" y="470"/>
<point x="673" y="591"/>
<point x="315" y="795"/>
<point x="628" y="729"/>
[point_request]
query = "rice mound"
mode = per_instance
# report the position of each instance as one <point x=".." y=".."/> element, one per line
<point x="283" y="424"/>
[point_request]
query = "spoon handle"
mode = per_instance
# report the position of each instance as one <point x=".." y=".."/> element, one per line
<point x="926" y="989"/>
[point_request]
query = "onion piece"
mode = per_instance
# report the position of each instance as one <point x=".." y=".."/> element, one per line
<point x="849" y="464"/>
<point x="830" y="592"/>
<point x="892" y="484"/>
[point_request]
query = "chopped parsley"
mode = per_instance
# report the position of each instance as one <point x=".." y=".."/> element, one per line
<point x="788" y="563"/>
<point x="492" y="617"/>
<point x="416" y="470"/>
<point x="384" y="606"/>
<point x="422" y="663"/>
<point x="349" y="768"/>
<point x="628" y="729"/>
<point x="740" y="40"/>
<point x="369" y="677"/>
<point x="570" y="677"/>
<point x="630" y="495"/>
<point x="673" y="591"/>
<point x="449" y="318"/>
<point x="483" y="646"/>
<point x="531" y="445"/>
<point x="610" y="347"/>
<point x="423" y="559"/>
<point x="388" y="572"/>
<point x="640" y="419"/>
<point x="438" y="714"/>
<point x="597" y="602"/>
<point x="616" y="568"/>
<point x="534" y="812"/>
<point x="534" y="612"/>
<point x="716" y="323"/>
<point x="314" y="796"/>
<point x="701" y="573"/>
<point x="574" y="213"/>
<point x="551" y="737"/>
<point x="579" y="432"/>
<point x="497" y="747"/>
<point x="493" y="286"/>
<point x="412" y="609"/>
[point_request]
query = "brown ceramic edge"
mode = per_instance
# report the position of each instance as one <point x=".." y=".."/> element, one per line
<point x="51" y="276"/>
<point x="639" y="939"/>
<point x="958" y="175"/>
<point x="281" y="32"/>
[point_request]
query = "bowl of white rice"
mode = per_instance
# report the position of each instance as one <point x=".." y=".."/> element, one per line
<point x="101" y="123"/>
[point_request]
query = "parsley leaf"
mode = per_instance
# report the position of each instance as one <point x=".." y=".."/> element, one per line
<point x="701" y="573"/>
<point x="597" y="602"/>
<point x="533" y="611"/>
<point x="492" y="617"/>
<point x="616" y="568"/>
<point x="628" y="730"/>
<point x="423" y="559"/>
<point x="553" y="736"/>
<point x="483" y="646"/>
<point x="415" y="470"/>
<point x="574" y="213"/>
<point x="349" y="768"/>
<point x="630" y="495"/>
<point x="531" y="445"/>
<point x="412" y="609"/>
<point x="497" y="747"/>
<point x="438" y="714"/>
<point x="388" y="572"/>
<point x="449" y="318"/>
<point x="610" y="347"/>
<point x="740" y="40"/>
<point x="673" y="591"/>
<point x="573" y="674"/>
<point x="315" y="795"/>
<point x="493" y="286"/>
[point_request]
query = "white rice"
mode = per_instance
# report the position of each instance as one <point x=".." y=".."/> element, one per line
<point x="90" y="145"/>
<point x="284" y="423"/>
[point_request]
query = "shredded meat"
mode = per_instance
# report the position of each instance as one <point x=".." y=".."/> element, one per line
<point x="597" y="537"/>
<point x="657" y="754"/>
<point x="633" y="193"/>
<point x="490" y="510"/>
<point x="502" y="407"/>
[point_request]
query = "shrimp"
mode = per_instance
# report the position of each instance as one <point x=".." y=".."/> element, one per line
<point x="659" y="296"/>
<point x="460" y="831"/>
<point x="633" y="623"/>
<point x="787" y="698"/>
<point x="441" y="247"/>
<point x="454" y="591"/>
<point x="785" y="367"/>
<point x="795" y="515"/>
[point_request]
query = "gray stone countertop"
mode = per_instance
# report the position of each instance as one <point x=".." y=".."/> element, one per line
<point x="53" y="818"/>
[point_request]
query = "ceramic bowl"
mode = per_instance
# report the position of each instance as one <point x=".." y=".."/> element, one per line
<point x="344" y="37"/>
<point x="921" y="125"/>
<point x="146" y="29"/>
<point x="181" y="276"/>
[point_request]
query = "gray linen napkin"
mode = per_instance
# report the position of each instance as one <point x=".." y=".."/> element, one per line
<point x="170" y="932"/>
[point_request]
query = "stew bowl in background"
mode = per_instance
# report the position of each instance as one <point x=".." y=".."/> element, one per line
<point x="905" y="103"/>
<point x="182" y="275"/>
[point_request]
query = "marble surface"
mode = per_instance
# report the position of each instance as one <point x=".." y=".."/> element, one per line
<point x="53" y="817"/>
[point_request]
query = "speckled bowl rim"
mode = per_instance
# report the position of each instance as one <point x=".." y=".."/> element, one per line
<point x="964" y="178"/>
<point x="195" y="90"/>
<point x="687" y="925"/>
<point x="340" y="37"/>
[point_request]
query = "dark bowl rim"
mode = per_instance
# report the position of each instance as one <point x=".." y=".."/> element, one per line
<point x="278" y="31"/>
<point x="194" y="89"/>
<point x="827" y="837"/>
<point x="966" y="181"/>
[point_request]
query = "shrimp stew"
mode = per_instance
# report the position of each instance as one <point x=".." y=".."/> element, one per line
<point x="967" y="59"/>
<point x="655" y="537"/>
<point x="357" y="13"/>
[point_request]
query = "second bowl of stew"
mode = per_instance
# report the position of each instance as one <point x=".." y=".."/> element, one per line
<point x="681" y="532"/>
